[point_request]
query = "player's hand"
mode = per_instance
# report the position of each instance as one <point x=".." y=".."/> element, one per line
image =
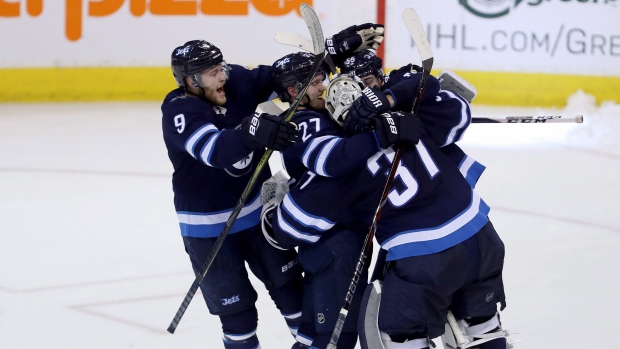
<point x="370" y="104"/>
<point x="396" y="128"/>
<point x="354" y="38"/>
<point x="270" y="131"/>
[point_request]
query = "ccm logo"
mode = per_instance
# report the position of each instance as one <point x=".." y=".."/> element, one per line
<point x="373" y="98"/>
<point x="254" y="124"/>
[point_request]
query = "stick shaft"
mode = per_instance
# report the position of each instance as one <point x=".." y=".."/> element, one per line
<point x="528" y="119"/>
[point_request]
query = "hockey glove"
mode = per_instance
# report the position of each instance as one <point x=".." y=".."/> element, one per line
<point x="397" y="128"/>
<point x="370" y="104"/>
<point x="270" y="131"/>
<point x="354" y="38"/>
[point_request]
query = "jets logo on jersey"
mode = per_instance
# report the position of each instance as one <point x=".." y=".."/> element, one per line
<point x="241" y="167"/>
<point x="229" y="301"/>
<point x="372" y="97"/>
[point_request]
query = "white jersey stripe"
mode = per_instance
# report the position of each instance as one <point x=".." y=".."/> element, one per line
<point x="194" y="138"/>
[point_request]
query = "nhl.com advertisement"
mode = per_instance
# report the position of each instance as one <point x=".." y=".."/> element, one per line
<point x="538" y="36"/>
<point x="548" y="36"/>
<point x="562" y="37"/>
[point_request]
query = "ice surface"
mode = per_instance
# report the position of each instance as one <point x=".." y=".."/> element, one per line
<point x="91" y="256"/>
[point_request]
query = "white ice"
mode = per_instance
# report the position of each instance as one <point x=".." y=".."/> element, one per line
<point x="91" y="255"/>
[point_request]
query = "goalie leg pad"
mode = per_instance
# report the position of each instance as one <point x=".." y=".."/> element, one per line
<point x="368" y="322"/>
<point x="420" y="343"/>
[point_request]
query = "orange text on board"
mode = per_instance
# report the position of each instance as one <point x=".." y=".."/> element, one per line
<point x="101" y="8"/>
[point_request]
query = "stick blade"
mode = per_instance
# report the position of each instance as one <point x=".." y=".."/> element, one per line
<point x="294" y="40"/>
<point x="416" y="30"/>
<point x="314" y="26"/>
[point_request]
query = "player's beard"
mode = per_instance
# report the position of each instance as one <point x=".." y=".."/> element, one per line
<point x="216" y="97"/>
<point x="317" y="103"/>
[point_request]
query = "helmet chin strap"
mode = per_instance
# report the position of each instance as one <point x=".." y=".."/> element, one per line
<point x="201" y="96"/>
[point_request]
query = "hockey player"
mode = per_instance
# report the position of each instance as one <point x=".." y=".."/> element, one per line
<point x="214" y="142"/>
<point x="443" y="252"/>
<point x="324" y="151"/>
<point x="397" y="87"/>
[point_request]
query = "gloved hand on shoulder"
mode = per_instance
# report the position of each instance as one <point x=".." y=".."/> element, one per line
<point x="395" y="128"/>
<point x="270" y="131"/>
<point x="364" y="109"/>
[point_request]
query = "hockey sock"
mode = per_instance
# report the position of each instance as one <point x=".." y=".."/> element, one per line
<point x="240" y="329"/>
<point x="241" y="341"/>
<point x="288" y="301"/>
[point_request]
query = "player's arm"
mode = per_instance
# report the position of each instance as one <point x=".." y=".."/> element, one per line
<point x="305" y="214"/>
<point x="192" y="133"/>
<point x="321" y="149"/>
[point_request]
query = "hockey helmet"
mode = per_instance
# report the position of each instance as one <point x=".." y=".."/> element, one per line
<point x="292" y="70"/>
<point x="364" y="63"/>
<point x="194" y="57"/>
<point x="341" y="92"/>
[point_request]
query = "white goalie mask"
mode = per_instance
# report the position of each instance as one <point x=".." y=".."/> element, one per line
<point x="341" y="92"/>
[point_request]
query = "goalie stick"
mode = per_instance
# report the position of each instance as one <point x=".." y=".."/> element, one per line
<point x="315" y="30"/>
<point x="414" y="26"/>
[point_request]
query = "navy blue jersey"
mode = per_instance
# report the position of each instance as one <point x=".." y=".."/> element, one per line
<point x="430" y="208"/>
<point x="397" y="75"/>
<point x="323" y="147"/>
<point x="212" y="165"/>
<point x="468" y="166"/>
<point x="402" y="82"/>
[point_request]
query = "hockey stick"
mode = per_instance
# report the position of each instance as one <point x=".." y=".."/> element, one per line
<point x="303" y="43"/>
<point x="272" y="108"/>
<point x="315" y="30"/>
<point x="414" y="26"/>
<point x="294" y="40"/>
<point x="527" y="119"/>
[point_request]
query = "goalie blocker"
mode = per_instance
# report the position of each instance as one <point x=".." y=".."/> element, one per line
<point x="449" y="81"/>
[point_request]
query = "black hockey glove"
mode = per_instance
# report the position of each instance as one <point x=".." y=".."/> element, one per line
<point x="397" y="128"/>
<point x="370" y="104"/>
<point x="354" y="38"/>
<point x="270" y="131"/>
